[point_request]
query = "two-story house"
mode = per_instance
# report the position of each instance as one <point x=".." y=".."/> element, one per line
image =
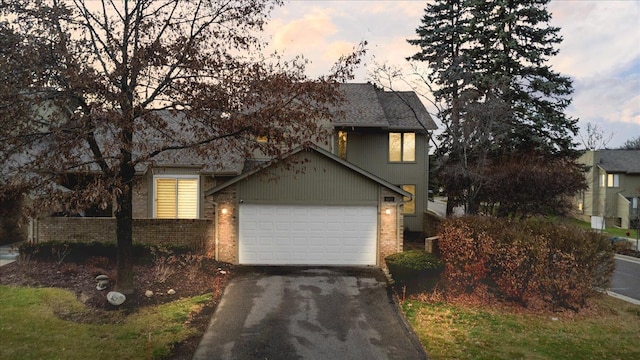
<point x="613" y="187"/>
<point x="345" y="202"/>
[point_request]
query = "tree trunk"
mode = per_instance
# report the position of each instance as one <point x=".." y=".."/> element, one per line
<point x="449" y="210"/>
<point x="124" y="235"/>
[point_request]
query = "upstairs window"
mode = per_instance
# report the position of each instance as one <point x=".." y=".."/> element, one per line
<point x="176" y="197"/>
<point x="402" y="147"/>
<point x="342" y="145"/>
<point x="613" y="180"/>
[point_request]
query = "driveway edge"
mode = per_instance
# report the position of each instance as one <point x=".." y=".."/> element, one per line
<point x="393" y="300"/>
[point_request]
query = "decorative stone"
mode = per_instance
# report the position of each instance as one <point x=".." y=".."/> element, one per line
<point x="148" y="293"/>
<point x="115" y="298"/>
<point x="222" y="272"/>
<point x="103" y="281"/>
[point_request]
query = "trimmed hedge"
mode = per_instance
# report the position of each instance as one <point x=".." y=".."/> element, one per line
<point x="62" y="251"/>
<point x="416" y="260"/>
<point x="525" y="260"/>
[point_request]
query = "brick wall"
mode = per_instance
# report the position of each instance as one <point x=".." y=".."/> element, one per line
<point x="391" y="227"/>
<point x="193" y="233"/>
<point x="227" y="223"/>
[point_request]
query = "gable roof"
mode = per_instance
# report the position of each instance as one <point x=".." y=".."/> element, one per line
<point x="620" y="161"/>
<point x="366" y="106"/>
<point x="321" y="152"/>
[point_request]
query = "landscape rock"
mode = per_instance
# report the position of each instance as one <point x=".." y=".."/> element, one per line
<point x="116" y="298"/>
<point x="171" y="292"/>
<point x="148" y="293"/>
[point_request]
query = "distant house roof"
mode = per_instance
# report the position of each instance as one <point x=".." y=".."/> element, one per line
<point x="620" y="161"/>
<point x="366" y="106"/>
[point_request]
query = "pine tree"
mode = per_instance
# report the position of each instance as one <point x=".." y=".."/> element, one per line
<point x="488" y="68"/>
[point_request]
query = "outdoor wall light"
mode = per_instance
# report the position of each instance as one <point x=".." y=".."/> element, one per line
<point x="224" y="210"/>
<point x="388" y="211"/>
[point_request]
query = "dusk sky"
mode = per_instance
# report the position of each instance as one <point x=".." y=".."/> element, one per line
<point x="600" y="51"/>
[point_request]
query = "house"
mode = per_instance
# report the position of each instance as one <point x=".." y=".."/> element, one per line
<point x="613" y="187"/>
<point x="344" y="202"/>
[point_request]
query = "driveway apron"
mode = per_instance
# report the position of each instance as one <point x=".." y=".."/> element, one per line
<point x="298" y="313"/>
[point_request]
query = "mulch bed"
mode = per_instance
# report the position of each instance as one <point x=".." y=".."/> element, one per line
<point x="188" y="277"/>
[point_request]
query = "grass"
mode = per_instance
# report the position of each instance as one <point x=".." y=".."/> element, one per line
<point x="612" y="231"/>
<point x="33" y="326"/>
<point x="610" y="331"/>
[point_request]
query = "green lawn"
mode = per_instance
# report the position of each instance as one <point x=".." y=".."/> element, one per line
<point x="611" y="230"/>
<point x="32" y="327"/>
<point x="458" y="332"/>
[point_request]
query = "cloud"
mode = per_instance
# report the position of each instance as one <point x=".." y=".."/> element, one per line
<point x="598" y="36"/>
<point x="304" y="33"/>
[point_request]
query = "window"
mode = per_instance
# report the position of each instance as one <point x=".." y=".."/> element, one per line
<point x="342" y="145"/>
<point x="176" y="197"/>
<point x="409" y="207"/>
<point x="603" y="180"/>
<point x="613" y="180"/>
<point x="402" y="147"/>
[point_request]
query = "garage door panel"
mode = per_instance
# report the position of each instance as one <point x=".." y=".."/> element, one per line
<point x="314" y="235"/>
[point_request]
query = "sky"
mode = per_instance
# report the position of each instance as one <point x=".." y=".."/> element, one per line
<point x="600" y="51"/>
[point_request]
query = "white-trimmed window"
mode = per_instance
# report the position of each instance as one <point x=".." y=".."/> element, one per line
<point x="402" y="147"/>
<point x="613" y="180"/>
<point x="175" y="197"/>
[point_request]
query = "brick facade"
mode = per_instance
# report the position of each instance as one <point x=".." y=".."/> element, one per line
<point x="193" y="233"/>
<point x="227" y="223"/>
<point x="390" y="235"/>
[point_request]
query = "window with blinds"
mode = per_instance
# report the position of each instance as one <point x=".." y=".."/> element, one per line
<point x="176" y="198"/>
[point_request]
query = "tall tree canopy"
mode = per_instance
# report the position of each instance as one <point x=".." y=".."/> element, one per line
<point x="497" y="95"/>
<point x="100" y="88"/>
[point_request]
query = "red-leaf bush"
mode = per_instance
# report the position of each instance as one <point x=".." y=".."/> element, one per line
<point x="524" y="260"/>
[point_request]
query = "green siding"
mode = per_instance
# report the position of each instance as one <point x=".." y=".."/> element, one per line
<point x="317" y="181"/>
<point x="369" y="151"/>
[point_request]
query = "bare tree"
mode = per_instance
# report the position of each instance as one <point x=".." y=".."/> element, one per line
<point x="595" y="138"/>
<point x="631" y="144"/>
<point x="100" y="88"/>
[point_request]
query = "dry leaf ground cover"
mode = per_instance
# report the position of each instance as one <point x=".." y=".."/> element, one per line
<point x="51" y="310"/>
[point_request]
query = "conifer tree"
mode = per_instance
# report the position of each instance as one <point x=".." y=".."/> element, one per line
<point x="488" y="65"/>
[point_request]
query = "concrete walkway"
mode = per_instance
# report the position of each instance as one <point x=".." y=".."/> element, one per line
<point x="8" y="253"/>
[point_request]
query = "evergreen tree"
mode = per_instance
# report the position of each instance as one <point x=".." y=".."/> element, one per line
<point x="488" y="66"/>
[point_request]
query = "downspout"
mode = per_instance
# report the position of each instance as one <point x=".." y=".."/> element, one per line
<point x="216" y="227"/>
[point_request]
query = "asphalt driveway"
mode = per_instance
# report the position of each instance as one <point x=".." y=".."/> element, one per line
<point x="302" y="313"/>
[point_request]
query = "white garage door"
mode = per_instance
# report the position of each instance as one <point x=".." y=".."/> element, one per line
<point x="307" y="235"/>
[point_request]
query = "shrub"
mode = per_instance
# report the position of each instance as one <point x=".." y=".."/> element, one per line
<point x="524" y="259"/>
<point x="416" y="260"/>
<point x="63" y="251"/>
<point x="414" y="270"/>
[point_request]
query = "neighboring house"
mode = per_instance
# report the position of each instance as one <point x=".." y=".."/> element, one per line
<point x="347" y="202"/>
<point x="613" y="187"/>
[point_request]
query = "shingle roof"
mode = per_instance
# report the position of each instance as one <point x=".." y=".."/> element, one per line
<point x="404" y="110"/>
<point x="366" y="106"/>
<point x="620" y="161"/>
<point x="360" y="107"/>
